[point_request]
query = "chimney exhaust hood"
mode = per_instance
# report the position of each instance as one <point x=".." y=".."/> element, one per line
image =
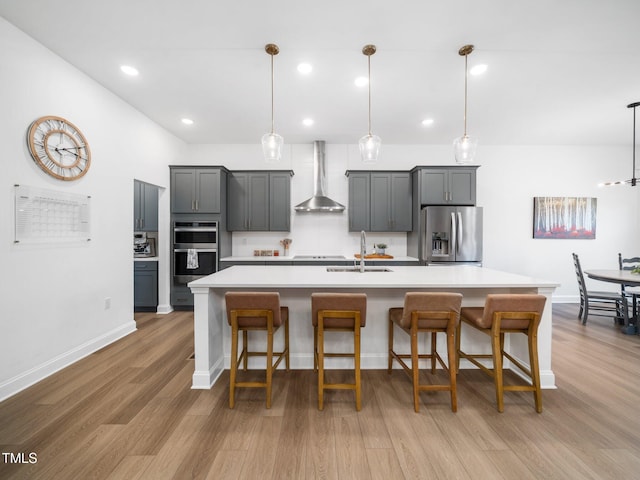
<point x="319" y="202"/>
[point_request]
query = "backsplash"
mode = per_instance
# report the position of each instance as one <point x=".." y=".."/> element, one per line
<point x="326" y="240"/>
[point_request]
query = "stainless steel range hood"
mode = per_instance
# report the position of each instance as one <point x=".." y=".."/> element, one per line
<point x="319" y="202"/>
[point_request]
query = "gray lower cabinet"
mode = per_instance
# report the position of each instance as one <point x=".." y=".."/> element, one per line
<point x="181" y="297"/>
<point x="145" y="207"/>
<point x="145" y="286"/>
<point x="195" y="190"/>
<point x="380" y="201"/>
<point x="447" y="186"/>
<point x="274" y="263"/>
<point x="259" y="201"/>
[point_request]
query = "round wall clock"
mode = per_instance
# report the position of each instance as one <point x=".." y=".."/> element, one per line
<point x="59" y="148"/>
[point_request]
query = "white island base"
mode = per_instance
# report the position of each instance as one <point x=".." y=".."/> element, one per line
<point x="384" y="290"/>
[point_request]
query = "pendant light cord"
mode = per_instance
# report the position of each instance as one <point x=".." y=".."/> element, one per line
<point x="369" y="82"/>
<point x="466" y="75"/>
<point x="272" y="103"/>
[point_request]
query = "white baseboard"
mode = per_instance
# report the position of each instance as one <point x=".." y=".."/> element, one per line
<point x="566" y="299"/>
<point x="42" y="371"/>
<point x="203" y="380"/>
<point x="164" y="309"/>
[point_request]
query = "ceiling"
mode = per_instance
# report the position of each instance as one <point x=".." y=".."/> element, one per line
<point x="558" y="72"/>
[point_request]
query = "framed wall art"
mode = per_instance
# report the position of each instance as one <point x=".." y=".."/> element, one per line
<point x="564" y="217"/>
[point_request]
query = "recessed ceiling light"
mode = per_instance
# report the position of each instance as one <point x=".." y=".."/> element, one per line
<point x="129" y="70"/>
<point x="427" y="122"/>
<point x="187" y="121"/>
<point x="478" y="69"/>
<point x="305" y="68"/>
<point x="361" y="81"/>
<point x="307" y="122"/>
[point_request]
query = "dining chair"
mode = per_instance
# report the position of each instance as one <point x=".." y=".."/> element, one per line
<point x="629" y="293"/>
<point x="592" y="302"/>
<point x="255" y="311"/>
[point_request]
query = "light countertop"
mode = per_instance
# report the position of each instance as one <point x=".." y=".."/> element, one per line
<point x="293" y="258"/>
<point x="145" y="259"/>
<point x="288" y="276"/>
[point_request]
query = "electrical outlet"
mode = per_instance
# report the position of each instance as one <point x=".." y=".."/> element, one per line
<point x="107" y="303"/>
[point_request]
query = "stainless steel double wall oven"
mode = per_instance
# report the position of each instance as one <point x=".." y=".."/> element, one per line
<point x="200" y="238"/>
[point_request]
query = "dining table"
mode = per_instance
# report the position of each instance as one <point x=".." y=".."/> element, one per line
<point x="628" y="279"/>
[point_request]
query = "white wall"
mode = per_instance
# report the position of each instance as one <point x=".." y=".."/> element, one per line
<point x="508" y="179"/>
<point x="53" y="297"/>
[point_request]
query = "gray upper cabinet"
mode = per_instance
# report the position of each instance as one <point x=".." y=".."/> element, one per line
<point x="359" y="201"/>
<point x="280" y="201"/>
<point x="259" y="201"/>
<point x="145" y="207"/>
<point x="380" y="201"/>
<point x="448" y="186"/>
<point x="195" y="190"/>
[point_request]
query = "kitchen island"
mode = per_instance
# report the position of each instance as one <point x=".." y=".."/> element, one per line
<point x="384" y="289"/>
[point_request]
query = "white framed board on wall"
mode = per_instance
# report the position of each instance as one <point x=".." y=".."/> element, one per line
<point x="49" y="216"/>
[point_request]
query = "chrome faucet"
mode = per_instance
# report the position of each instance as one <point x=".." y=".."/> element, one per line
<point x="363" y="249"/>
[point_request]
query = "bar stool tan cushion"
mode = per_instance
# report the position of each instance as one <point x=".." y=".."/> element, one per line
<point x="339" y="301"/>
<point x="483" y="316"/>
<point x="426" y="301"/>
<point x="256" y="301"/>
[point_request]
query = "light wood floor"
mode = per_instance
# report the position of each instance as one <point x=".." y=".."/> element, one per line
<point x="127" y="412"/>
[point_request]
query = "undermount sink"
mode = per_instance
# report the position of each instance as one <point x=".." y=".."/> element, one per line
<point x="357" y="269"/>
<point x="319" y="257"/>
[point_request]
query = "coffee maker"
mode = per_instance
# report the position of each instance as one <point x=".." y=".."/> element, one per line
<point x="141" y="247"/>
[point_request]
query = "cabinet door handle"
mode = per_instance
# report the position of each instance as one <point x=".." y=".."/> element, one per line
<point x="196" y="205"/>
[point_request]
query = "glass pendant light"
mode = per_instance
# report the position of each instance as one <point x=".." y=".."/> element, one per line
<point x="272" y="142"/>
<point x="370" y="143"/>
<point x="464" y="147"/>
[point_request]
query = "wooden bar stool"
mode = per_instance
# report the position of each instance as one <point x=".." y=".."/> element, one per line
<point x="337" y="312"/>
<point x="248" y="311"/>
<point x="427" y="312"/>
<point x="507" y="313"/>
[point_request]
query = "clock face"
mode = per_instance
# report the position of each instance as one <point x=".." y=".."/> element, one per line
<point x="59" y="148"/>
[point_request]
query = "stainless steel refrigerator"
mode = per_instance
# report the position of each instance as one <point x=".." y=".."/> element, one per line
<point x="451" y="235"/>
